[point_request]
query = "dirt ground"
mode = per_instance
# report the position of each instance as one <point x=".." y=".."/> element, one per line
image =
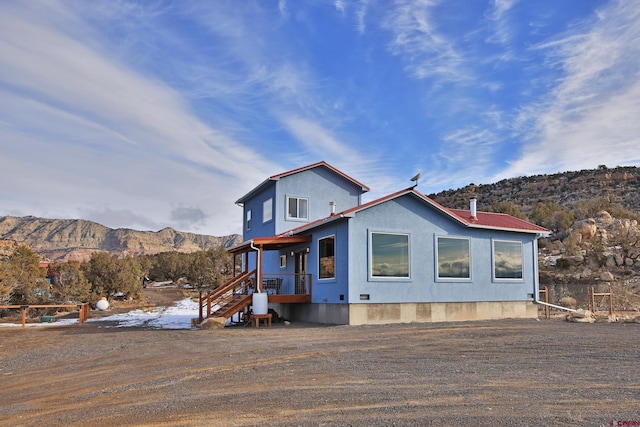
<point x="492" y="373"/>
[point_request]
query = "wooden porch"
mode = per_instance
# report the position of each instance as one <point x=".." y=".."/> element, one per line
<point x="235" y="296"/>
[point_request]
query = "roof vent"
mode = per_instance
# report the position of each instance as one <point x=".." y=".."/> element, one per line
<point x="472" y="207"/>
<point x="333" y="208"/>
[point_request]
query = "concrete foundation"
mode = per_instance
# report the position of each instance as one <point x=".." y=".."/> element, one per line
<point x="378" y="314"/>
<point x="333" y="314"/>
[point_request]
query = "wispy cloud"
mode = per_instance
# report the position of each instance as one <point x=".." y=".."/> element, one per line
<point x="323" y="144"/>
<point x="282" y="7"/>
<point x="110" y="124"/>
<point x="499" y="22"/>
<point x="361" y="15"/>
<point x="465" y="156"/>
<point x="590" y="115"/>
<point x="317" y="139"/>
<point x="157" y="113"/>
<point x="427" y="52"/>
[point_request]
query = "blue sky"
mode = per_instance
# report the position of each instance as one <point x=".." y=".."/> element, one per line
<point x="148" y="114"/>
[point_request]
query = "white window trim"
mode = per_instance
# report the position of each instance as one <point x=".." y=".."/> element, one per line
<point x="437" y="263"/>
<point x="248" y="220"/>
<point x="373" y="278"/>
<point x="294" y="218"/>
<point x="334" y="257"/>
<point x="283" y="261"/>
<point x="493" y="262"/>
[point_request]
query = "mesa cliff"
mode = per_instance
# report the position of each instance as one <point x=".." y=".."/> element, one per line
<point x="77" y="239"/>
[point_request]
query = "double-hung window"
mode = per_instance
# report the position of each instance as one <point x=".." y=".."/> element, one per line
<point x="454" y="258"/>
<point x="389" y="255"/>
<point x="297" y="208"/>
<point x="248" y="223"/>
<point x="507" y="260"/>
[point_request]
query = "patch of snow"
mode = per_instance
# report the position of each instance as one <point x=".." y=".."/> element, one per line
<point x="176" y="317"/>
<point x="28" y="325"/>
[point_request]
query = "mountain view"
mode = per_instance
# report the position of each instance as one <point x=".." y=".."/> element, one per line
<point x="77" y="239"/>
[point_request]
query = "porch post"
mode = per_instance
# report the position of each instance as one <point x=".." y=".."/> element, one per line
<point x="234" y="264"/>
<point x="259" y="273"/>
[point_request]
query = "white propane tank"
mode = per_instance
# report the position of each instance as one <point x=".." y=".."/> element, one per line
<point x="103" y="304"/>
<point x="260" y="302"/>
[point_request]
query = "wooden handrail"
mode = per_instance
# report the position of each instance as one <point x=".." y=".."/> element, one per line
<point x="215" y="294"/>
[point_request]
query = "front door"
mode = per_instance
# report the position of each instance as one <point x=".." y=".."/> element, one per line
<point x="301" y="271"/>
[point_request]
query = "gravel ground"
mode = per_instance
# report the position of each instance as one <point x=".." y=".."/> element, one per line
<point x="495" y="373"/>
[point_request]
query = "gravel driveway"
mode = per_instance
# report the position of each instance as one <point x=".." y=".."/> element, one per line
<point x="495" y="373"/>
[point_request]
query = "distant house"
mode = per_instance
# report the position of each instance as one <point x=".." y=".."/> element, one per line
<point x="324" y="256"/>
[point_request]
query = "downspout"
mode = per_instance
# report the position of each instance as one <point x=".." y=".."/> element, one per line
<point x="258" y="266"/>
<point x="537" y="284"/>
<point x="536" y="271"/>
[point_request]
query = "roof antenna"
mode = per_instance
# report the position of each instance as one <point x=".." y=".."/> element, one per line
<point x="415" y="179"/>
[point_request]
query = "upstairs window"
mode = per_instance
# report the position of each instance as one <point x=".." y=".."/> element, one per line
<point x="267" y="210"/>
<point x="454" y="258"/>
<point x="507" y="260"/>
<point x="297" y="208"/>
<point x="248" y="224"/>
<point x="326" y="251"/>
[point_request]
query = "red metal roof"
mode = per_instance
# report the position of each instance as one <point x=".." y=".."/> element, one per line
<point x="497" y="221"/>
<point x="486" y="220"/>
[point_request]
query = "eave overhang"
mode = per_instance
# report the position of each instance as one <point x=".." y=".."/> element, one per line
<point x="272" y="243"/>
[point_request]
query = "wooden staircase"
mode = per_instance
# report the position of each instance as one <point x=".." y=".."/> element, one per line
<point x="228" y="299"/>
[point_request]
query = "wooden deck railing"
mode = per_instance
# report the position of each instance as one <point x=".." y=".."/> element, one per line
<point x="232" y="297"/>
<point x="286" y="283"/>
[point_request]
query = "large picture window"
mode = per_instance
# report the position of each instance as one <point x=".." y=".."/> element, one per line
<point x="297" y="208"/>
<point x="389" y="255"/>
<point x="327" y="251"/>
<point x="267" y="210"/>
<point x="454" y="258"/>
<point x="507" y="260"/>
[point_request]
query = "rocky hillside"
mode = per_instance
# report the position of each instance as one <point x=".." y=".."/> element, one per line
<point x="76" y="239"/>
<point x="619" y="185"/>
<point x="601" y="252"/>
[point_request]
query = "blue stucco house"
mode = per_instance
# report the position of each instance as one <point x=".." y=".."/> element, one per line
<point x="323" y="256"/>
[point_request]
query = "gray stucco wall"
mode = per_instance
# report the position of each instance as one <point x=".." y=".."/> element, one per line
<point x="321" y="187"/>
<point x="423" y="224"/>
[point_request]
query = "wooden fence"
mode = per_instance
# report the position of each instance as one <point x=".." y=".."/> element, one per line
<point x="83" y="309"/>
